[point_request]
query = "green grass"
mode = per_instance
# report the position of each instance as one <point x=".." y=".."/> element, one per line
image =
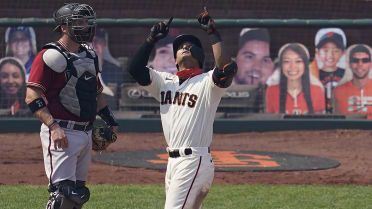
<point x="220" y="196"/>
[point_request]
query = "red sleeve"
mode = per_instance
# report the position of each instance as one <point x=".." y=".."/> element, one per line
<point x="318" y="98"/>
<point x="272" y="98"/>
<point x="40" y="74"/>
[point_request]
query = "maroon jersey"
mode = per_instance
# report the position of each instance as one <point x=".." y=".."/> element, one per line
<point x="51" y="83"/>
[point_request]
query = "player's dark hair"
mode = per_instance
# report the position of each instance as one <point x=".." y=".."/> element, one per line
<point x="305" y="79"/>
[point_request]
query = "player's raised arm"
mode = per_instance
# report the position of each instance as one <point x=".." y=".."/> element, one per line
<point x="137" y="67"/>
<point x="207" y="24"/>
<point x="225" y="68"/>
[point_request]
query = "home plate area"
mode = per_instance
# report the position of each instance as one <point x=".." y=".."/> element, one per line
<point x="224" y="160"/>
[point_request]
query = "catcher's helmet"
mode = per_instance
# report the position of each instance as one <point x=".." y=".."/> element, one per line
<point x="187" y="38"/>
<point x="69" y="15"/>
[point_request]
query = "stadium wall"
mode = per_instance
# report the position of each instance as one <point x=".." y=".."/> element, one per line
<point x="148" y="125"/>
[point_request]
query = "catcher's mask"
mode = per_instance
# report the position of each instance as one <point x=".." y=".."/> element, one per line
<point x="187" y="38"/>
<point x="80" y="20"/>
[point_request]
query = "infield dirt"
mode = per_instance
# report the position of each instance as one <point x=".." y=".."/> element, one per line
<point x="21" y="159"/>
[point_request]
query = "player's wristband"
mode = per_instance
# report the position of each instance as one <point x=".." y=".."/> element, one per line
<point x="37" y="104"/>
<point x="52" y="124"/>
<point x="215" y="37"/>
<point x="108" y="117"/>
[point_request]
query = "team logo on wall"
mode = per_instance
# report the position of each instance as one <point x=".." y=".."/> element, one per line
<point x="224" y="160"/>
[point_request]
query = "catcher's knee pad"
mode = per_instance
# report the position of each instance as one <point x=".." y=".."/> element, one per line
<point x="58" y="195"/>
<point x="65" y="195"/>
<point x="58" y="201"/>
<point x="82" y="193"/>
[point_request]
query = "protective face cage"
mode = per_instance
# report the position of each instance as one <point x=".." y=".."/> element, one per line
<point x="81" y="21"/>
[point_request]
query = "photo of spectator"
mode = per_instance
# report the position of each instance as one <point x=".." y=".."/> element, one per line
<point x="253" y="57"/>
<point x="163" y="59"/>
<point x="328" y="65"/>
<point x="21" y="43"/>
<point x="296" y="92"/>
<point x="12" y="86"/>
<point x="111" y="73"/>
<point x="354" y="96"/>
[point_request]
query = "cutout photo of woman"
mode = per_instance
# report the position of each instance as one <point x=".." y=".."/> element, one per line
<point x="12" y="86"/>
<point x="296" y="91"/>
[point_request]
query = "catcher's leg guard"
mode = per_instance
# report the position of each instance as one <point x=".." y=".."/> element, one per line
<point x="59" y="195"/>
<point x="58" y="201"/>
<point x="78" y="207"/>
<point x="68" y="195"/>
<point x="82" y="194"/>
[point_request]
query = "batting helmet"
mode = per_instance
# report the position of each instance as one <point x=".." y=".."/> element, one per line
<point x="188" y="38"/>
<point x="69" y="15"/>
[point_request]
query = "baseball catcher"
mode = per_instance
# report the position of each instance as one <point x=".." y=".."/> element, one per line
<point x="64" y="91"/>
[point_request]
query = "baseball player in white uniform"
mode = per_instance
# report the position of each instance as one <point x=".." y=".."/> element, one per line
<point x="188" y="103"/>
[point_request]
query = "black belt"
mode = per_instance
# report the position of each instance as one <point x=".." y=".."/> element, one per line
<point x="77" y="127"/>
<point x="176" y="153"/>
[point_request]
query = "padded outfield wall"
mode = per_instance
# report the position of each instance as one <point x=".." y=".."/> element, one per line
<point x="8" y="125"/>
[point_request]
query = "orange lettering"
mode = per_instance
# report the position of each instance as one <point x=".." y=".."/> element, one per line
<point x="163" y="159"/>
<point x="231" y="159"/>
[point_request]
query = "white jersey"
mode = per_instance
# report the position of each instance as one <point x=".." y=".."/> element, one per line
<point x="187" y="110"/>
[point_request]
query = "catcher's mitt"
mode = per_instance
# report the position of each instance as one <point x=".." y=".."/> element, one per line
<point x="102" y="137"/>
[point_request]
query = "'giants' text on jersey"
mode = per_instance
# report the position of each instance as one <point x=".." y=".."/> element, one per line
<point x="178" y="98"/>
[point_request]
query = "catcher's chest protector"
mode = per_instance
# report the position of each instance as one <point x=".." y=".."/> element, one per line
<point x="79" y="96"/>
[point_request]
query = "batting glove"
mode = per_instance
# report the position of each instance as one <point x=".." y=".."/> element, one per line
<point x="159" y="31"/>
<point x="207" y="22"/>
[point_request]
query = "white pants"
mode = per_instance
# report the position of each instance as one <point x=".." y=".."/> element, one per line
<point x="69" y="163"/>
<point x="188" y="180"/>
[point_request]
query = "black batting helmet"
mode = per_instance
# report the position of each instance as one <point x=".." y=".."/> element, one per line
<point x="188" y="38"/>
<point x="69" y="14"/>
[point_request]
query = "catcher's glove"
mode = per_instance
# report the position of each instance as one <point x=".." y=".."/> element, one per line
<point x="102" y="137"/>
